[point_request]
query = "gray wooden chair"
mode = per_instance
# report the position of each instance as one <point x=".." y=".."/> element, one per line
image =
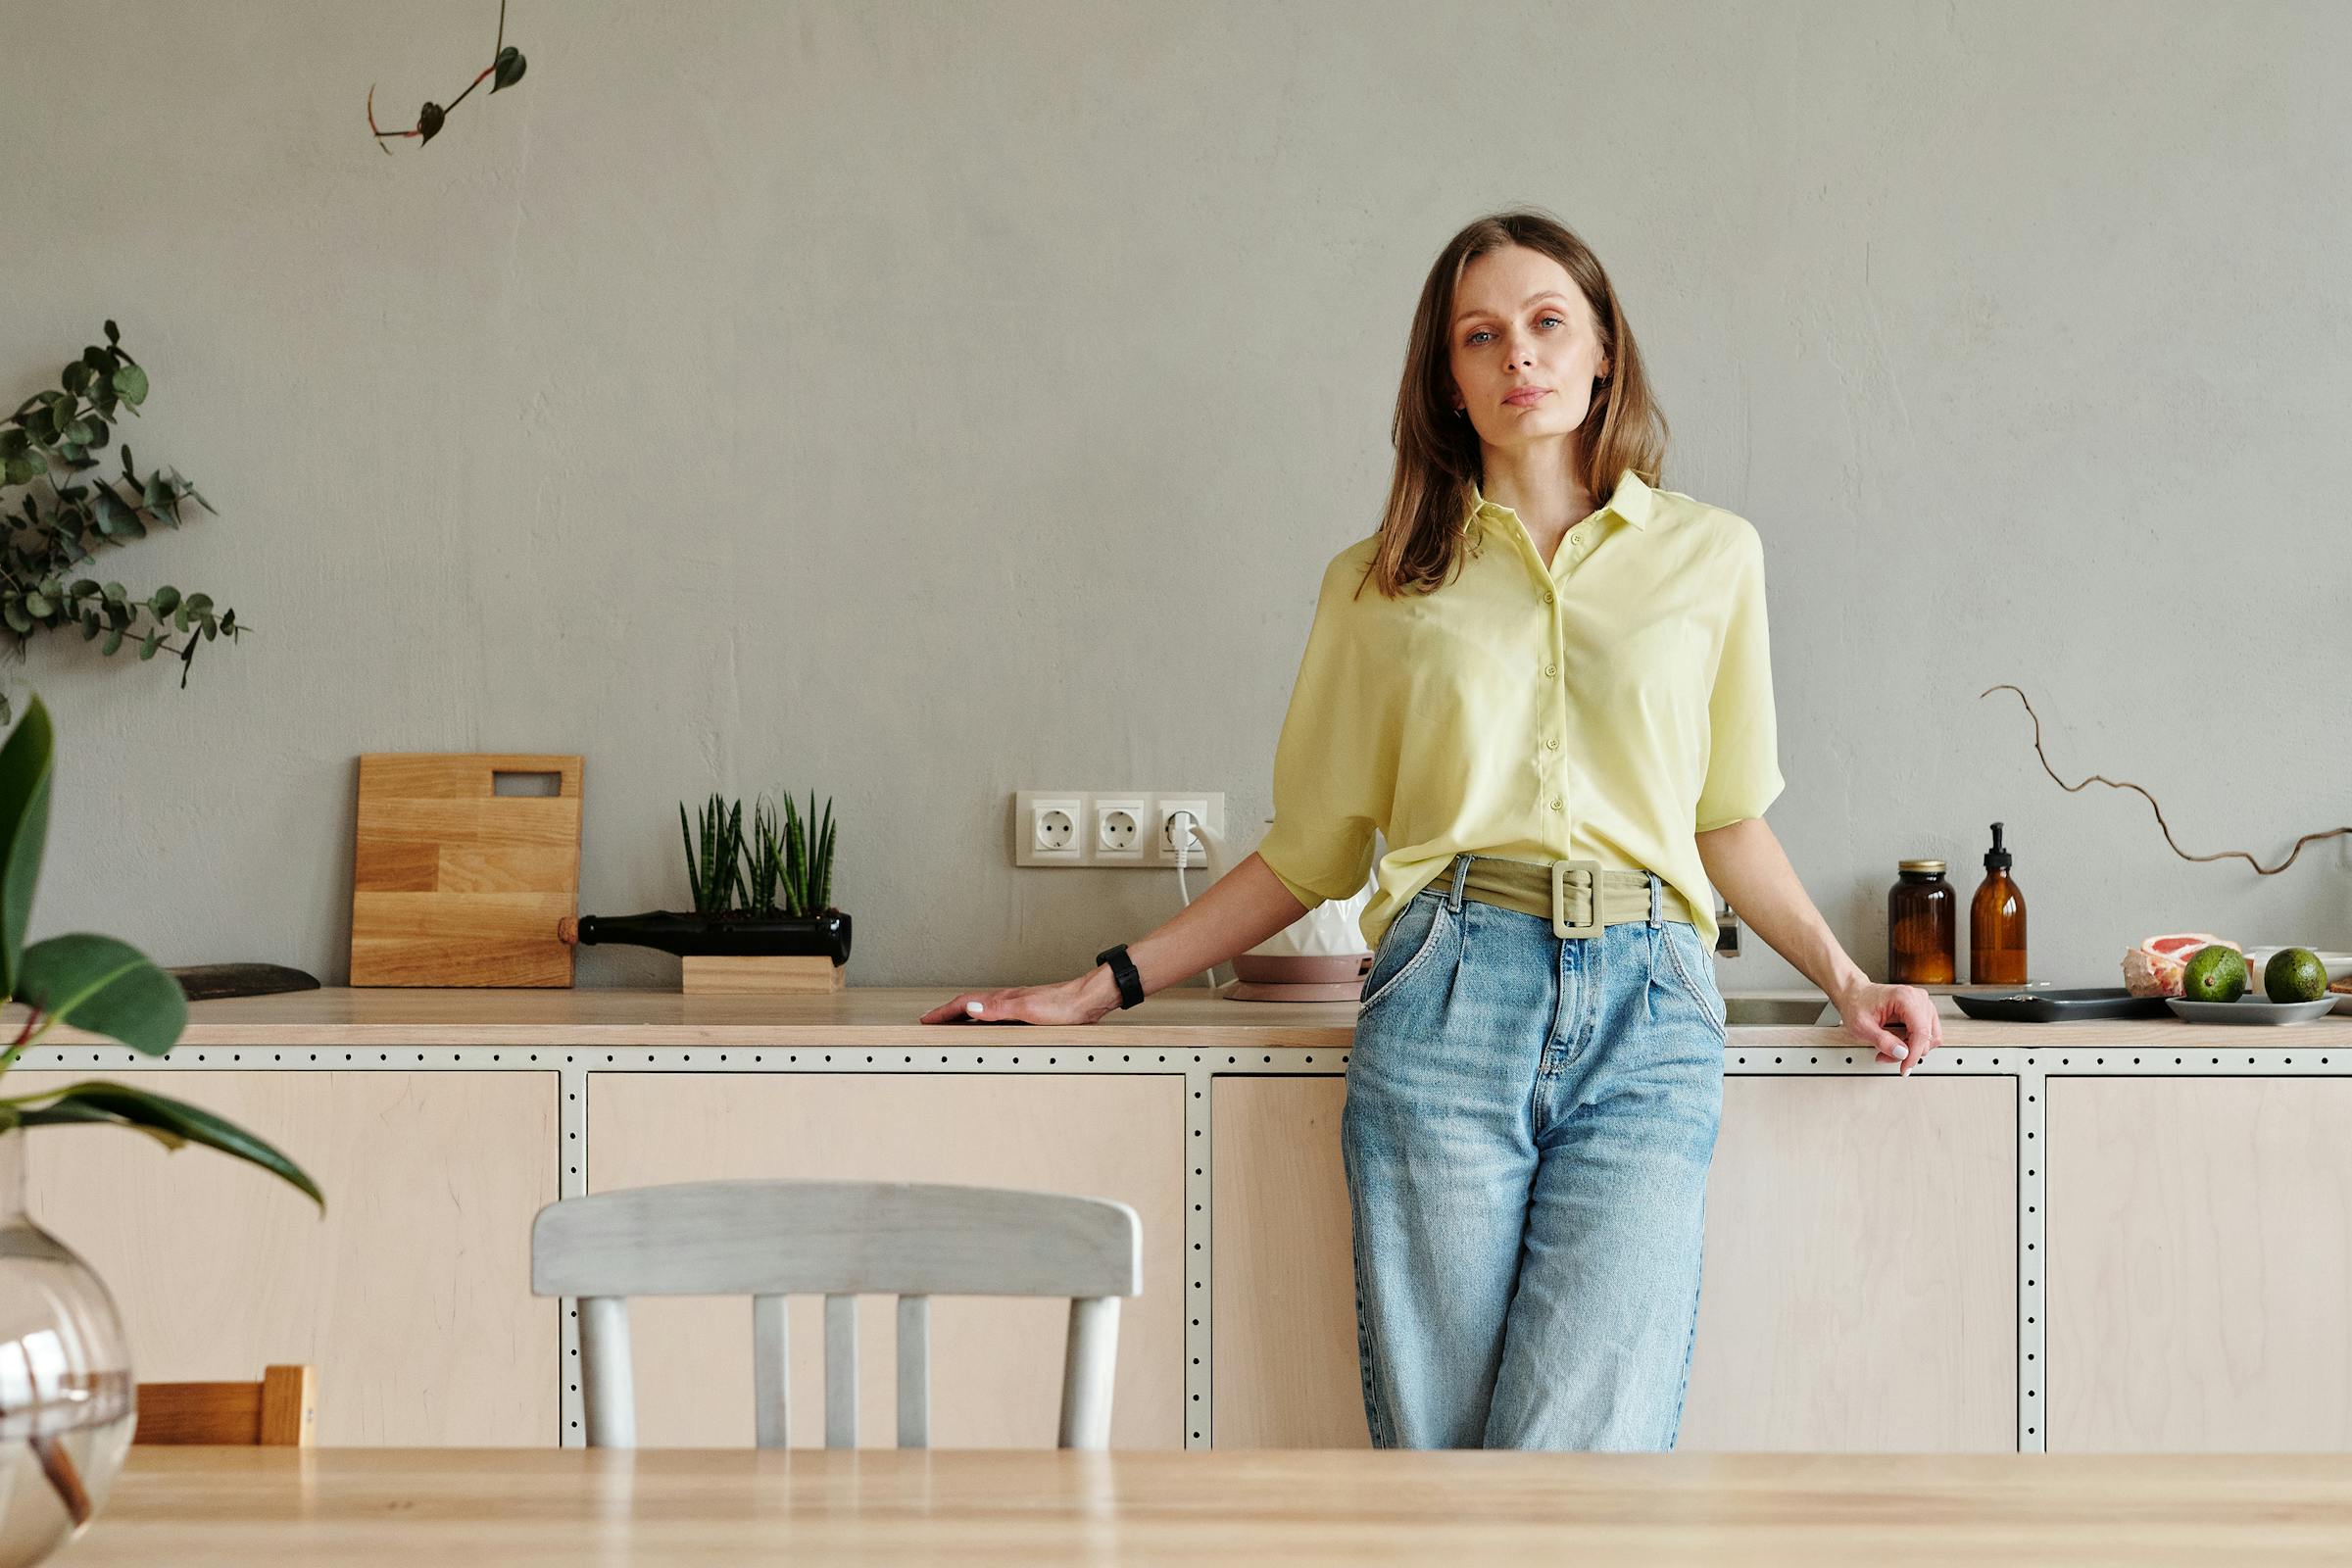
<point x="772" y="1239"/>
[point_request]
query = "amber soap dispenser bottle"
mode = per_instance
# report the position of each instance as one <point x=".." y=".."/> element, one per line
<point x="1996" y="923"/>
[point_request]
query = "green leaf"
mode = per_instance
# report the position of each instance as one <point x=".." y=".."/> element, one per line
<point x="14" y="613"/>
<point x="157" y="493"/>
<point x="113" y="337"/>
<point x="99" y="1100"/>
<point x="428" y="121"/>
<point x="12" y="441"/>
<point x="25" y="760"/>
<point x="100" y="431"/>
<point x="114" y="640"/>
<point x="113" y="591"/>
<point x="198" y="604"/>
<point x="164" y="601"/>
<point x="77" y="378"/>
<point x="106" y="986"/>
<point x="37" y="605"/>
<point x="130" y="382"/>
<point x="510" y="64"/>
<point x="149" y="643"/>
<point x="24" y="467"/>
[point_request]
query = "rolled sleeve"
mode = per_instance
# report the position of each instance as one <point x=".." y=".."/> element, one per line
<point x="1744" y="771"/>
<point x="1329" y="775"/>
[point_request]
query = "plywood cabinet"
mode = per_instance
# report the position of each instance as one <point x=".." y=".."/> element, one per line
<point x="412" y="1296"/>
<point x="996" y="1375"/>
<point x="1860" y="1283"/>
<point x="2202" y="1232"/>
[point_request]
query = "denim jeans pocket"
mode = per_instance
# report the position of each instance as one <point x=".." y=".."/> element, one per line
<point x="1687" y="957"/>
<point x="1403" y="947"/>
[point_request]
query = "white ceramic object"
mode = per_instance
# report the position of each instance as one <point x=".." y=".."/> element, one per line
<point x="2251" y="1008"/>
<point x="2338" y="964"/>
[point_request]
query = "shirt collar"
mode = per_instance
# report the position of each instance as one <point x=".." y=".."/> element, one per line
<point x="1632" y="500"/>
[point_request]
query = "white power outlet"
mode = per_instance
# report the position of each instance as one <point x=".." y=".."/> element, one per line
<point x="1046" y="827"/>
<point x="1072" y="827"/>
<point x="1119" y="828"/>
<point x="1208" y="809"/>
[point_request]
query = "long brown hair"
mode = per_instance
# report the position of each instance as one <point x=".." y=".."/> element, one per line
<point x="1423" y="536"/>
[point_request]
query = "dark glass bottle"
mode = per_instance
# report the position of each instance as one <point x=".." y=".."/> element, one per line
<point x="1996" y="923"/>
<point x="742" y="935"/>
<point x="1922" y="925"/>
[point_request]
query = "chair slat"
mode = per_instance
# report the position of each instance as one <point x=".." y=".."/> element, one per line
<point x="771" y="1370"/>
<point x="780" y="1238"/>
<point x="915" y="1371"/>
<point x="841" y="1371"/>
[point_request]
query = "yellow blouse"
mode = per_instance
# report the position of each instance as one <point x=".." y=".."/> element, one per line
<point x="1610" y="706"/>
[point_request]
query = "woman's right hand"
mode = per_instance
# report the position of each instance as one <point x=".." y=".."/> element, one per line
<point x="1066" y="1002"/>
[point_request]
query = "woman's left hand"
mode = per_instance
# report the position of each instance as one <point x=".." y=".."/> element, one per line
<point x="1868" y="1011"/>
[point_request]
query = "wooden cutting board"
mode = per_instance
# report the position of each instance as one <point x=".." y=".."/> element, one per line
<point x="455" y="884"/>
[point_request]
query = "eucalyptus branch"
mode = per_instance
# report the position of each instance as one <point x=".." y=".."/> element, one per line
<point x="506" y="64"/>
<point x="2102" y="778"/>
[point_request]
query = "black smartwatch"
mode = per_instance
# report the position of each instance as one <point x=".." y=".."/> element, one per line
<point x="1123" y="970"/>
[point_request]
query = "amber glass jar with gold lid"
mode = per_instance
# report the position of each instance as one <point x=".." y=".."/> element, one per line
<point x="1922" y="925"/>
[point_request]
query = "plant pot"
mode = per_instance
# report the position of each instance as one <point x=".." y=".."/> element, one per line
<point x="68" y="1403"/>
<point x="734" y="933"/>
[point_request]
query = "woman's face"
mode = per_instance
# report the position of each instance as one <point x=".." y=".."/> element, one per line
<point x="1520" y="324"/>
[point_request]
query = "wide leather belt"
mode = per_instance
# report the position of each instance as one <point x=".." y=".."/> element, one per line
<point x="1564" y="890"/>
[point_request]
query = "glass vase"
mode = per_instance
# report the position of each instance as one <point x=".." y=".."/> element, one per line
<point x="67" y="1401"/>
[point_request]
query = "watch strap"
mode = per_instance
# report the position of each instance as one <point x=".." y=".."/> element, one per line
<point x="1124" y="971"/>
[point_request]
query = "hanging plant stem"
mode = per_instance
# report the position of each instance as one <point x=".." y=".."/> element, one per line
<point x="506" y="64"/>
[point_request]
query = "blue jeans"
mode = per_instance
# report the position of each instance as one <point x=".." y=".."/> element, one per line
<point x="1528" y="1128"/>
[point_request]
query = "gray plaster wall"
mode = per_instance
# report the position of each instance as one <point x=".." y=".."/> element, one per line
<point x="920" y="402"/>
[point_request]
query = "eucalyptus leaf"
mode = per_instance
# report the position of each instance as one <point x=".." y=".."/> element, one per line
<point x="510" y="66"/>
<point x="114" y="640"/>
<point x="130" y="382"/>
<point x="164" y="601"/>
<point x="148" y="644"/>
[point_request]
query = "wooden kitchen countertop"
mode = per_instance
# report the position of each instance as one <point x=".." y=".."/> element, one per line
<point x="885" y="1015"/>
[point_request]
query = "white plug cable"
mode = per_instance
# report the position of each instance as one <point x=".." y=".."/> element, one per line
<point x="1180" y="823"/>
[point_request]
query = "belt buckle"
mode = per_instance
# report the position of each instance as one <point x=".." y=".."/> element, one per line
<point x="1561" y="925"/>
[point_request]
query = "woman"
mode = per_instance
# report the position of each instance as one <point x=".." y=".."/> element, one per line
<point x="1557" y="710"/>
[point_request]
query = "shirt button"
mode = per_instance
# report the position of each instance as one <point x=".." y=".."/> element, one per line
<point x="1576" y="538"/>
<point x="1555" y="803"/>
<point x="1551" y="669"/>
<point x="1553" y="745"/>
<point x="1547" y="599"/>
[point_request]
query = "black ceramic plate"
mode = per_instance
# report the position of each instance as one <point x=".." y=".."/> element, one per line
<point x="2057" y="1006"/>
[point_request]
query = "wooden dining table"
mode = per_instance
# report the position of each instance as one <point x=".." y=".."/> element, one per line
<point x="522" y="1508"/>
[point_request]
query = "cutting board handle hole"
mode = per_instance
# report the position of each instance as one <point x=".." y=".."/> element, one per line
<point x="505" y="783"/>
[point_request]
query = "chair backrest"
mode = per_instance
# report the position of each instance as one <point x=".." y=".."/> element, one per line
<point x="773" y="1239"/>
<point x="279" y="1412"/>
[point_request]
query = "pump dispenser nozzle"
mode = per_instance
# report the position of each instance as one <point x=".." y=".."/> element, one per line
<point x="1997" y="858"/>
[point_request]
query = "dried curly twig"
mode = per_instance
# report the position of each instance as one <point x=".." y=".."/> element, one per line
<point x="2102" y="778"/>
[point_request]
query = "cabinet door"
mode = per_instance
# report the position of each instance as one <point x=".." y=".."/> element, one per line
<point x="1284" y="1281"/>
<point x="412" y="1296"/>
<point x="995" y="1362"/>
<point x="1859" y="1290"/>
<point x="2202" y="1231"/>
